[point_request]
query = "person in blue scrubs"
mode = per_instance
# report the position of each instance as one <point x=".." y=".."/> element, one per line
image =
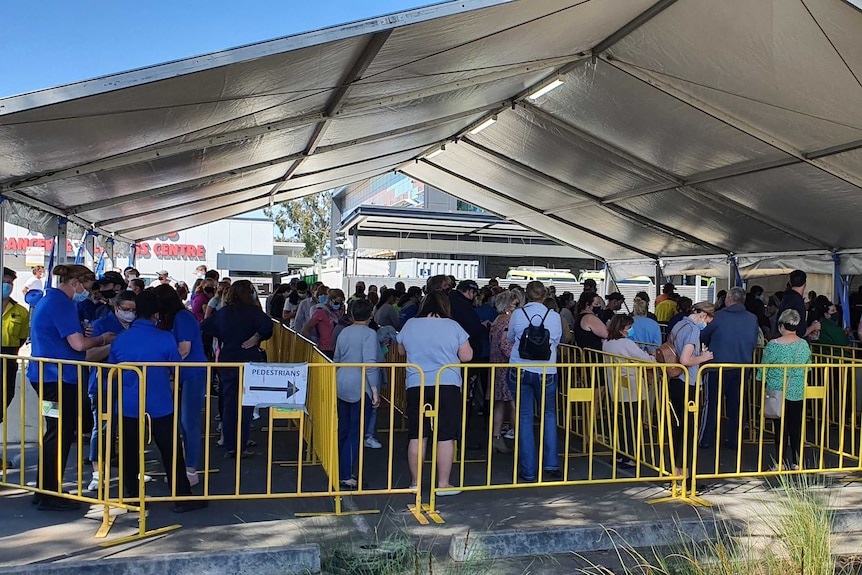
<point x="117" y="321"/>
<point x="143" y="343"/>
<point x="56" y="334"/>
<point x="239" y="326"/>
<point x="193" y="380"/>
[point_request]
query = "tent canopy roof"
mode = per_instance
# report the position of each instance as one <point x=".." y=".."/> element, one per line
<point x="681" y="129"/>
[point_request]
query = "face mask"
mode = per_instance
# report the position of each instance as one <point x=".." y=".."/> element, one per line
<point x="597" y="309"/>
<point x="200" y="276"/>
<point x="209" y="291"/>
<point x="108" y="294"/>
<point x="336" y="306"/>
<point x="301" y="295"/>
<point x="702" y="325"/>
<point x="322" y="298"/>
<point x="125" y="316"/>
<point x="79" y="297"/>
<point x="7" y="290"/>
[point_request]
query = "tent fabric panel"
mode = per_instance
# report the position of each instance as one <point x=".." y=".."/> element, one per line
<point x="601" y="220"/>
<point x="87" y="129"/>
<point x="485" y="40"/>
<point x="841" y="22"/>
<point x="529" y="139"/>
<point x="495" y="174"/>
<point x="803" y="196"/>
<point x="644" y="122"/>
<point x="848" y="162"/>
<point x="147" y="218"/>
<point x="173" y="170"/>
<point x="223" y="188"/>
<point x="335" y="165"/>
<point x="756" y="58"/>
<point x="30" y="218"/>
<point x="685" y="209"/>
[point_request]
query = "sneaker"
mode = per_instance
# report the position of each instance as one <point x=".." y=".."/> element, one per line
<point x="94" y="482"/>
<point x="145" y="478"/>
<point x="552" y="473"/>
<point x="510" y="433"/>
<point x="349" y="484"/>
<point x="448" y="492"/>
<point x="626" y="462"/>
<point x="373" y="443"/>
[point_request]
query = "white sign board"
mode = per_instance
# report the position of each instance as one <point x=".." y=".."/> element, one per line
<point x="275" y="384"/>
<point x="34" y="256"/>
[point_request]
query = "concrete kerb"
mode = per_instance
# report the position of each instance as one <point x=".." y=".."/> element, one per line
<point x="637" y="535"/>
<point x="294" y="560"/>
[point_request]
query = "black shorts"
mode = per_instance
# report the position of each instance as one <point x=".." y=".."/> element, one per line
<point x="448" y="413"/>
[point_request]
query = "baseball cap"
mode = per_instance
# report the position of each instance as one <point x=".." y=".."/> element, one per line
<point x="616" y="296"/>
<point x="163" y="273"/>
<point x="465" y="285"/>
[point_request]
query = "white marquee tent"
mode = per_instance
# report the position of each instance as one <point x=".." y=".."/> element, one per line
<point x="684" y="132"/>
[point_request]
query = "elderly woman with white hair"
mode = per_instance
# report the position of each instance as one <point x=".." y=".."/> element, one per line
<point x="506" y="302"/>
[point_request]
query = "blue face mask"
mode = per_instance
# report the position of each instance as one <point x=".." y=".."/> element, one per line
<point x="702" y="325"/>
<point x="7" y="290"/>
<point x="79" y="297"/>
<point x="322" y="298"/>
<point x="336" y="306"/>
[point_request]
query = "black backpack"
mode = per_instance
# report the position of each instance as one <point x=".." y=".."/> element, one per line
<point x="535" y="340"/>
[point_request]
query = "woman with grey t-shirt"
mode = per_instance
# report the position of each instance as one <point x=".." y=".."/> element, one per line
<point x="431" y="340"/>
<point x="686" y="343"/>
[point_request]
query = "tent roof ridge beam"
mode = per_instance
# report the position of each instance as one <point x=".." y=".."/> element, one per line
<point x="544" y="235"/>
<point x="91" y="206"/>
<point x="632" y="25"/>
<point x="596" y="200"/>
<point x="727" y="118"/>
<point x="537" y="211"/>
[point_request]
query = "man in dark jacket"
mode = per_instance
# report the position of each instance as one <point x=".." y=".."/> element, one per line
<point x="731" y="337"/>
<point x="794" y="299"/>
<point x="461" y="300"/>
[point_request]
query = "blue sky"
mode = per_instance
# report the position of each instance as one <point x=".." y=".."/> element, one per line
<point x="47" y="43"/>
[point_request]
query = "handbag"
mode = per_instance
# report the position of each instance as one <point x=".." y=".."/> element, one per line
<point x="773" y="405"/>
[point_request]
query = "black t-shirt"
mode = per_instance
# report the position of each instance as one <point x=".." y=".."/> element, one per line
<point x="793" y="300"/>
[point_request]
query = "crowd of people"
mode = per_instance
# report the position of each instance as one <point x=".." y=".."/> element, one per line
<point x="118" y="320"/>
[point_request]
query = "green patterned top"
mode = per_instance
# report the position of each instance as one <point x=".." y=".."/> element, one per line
<point x="797" y="352"/>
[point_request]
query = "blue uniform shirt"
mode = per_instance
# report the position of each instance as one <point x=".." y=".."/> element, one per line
<point x="187" y="328"/>
<point x="143" y="342"/>
<point x="108" y="324"/>
<point x="53" y="320"/>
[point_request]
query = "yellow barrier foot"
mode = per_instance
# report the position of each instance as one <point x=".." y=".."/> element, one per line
<point x="434" y="515"/>
<point x="139" y="536"/>
<point x="105" y="527"/>
<point x="417" y="514"/>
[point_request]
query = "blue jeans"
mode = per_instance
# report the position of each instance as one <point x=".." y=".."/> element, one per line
<point x="530" y="392"/>
<point x="349" y="443"/>
<point x="730" y="389"/>
<point x="193" y="394"/>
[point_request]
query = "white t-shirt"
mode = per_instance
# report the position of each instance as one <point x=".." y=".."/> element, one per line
<point x="34" y="283"/>
<point x="431" y="343"/>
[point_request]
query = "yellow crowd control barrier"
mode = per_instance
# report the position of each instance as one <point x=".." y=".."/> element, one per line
<point x="66" y="417"/>
<point x="738" y="442"/>
<point x="575" y="440"/>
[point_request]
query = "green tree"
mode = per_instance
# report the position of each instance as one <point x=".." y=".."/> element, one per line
<point x="305" y="219"/>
